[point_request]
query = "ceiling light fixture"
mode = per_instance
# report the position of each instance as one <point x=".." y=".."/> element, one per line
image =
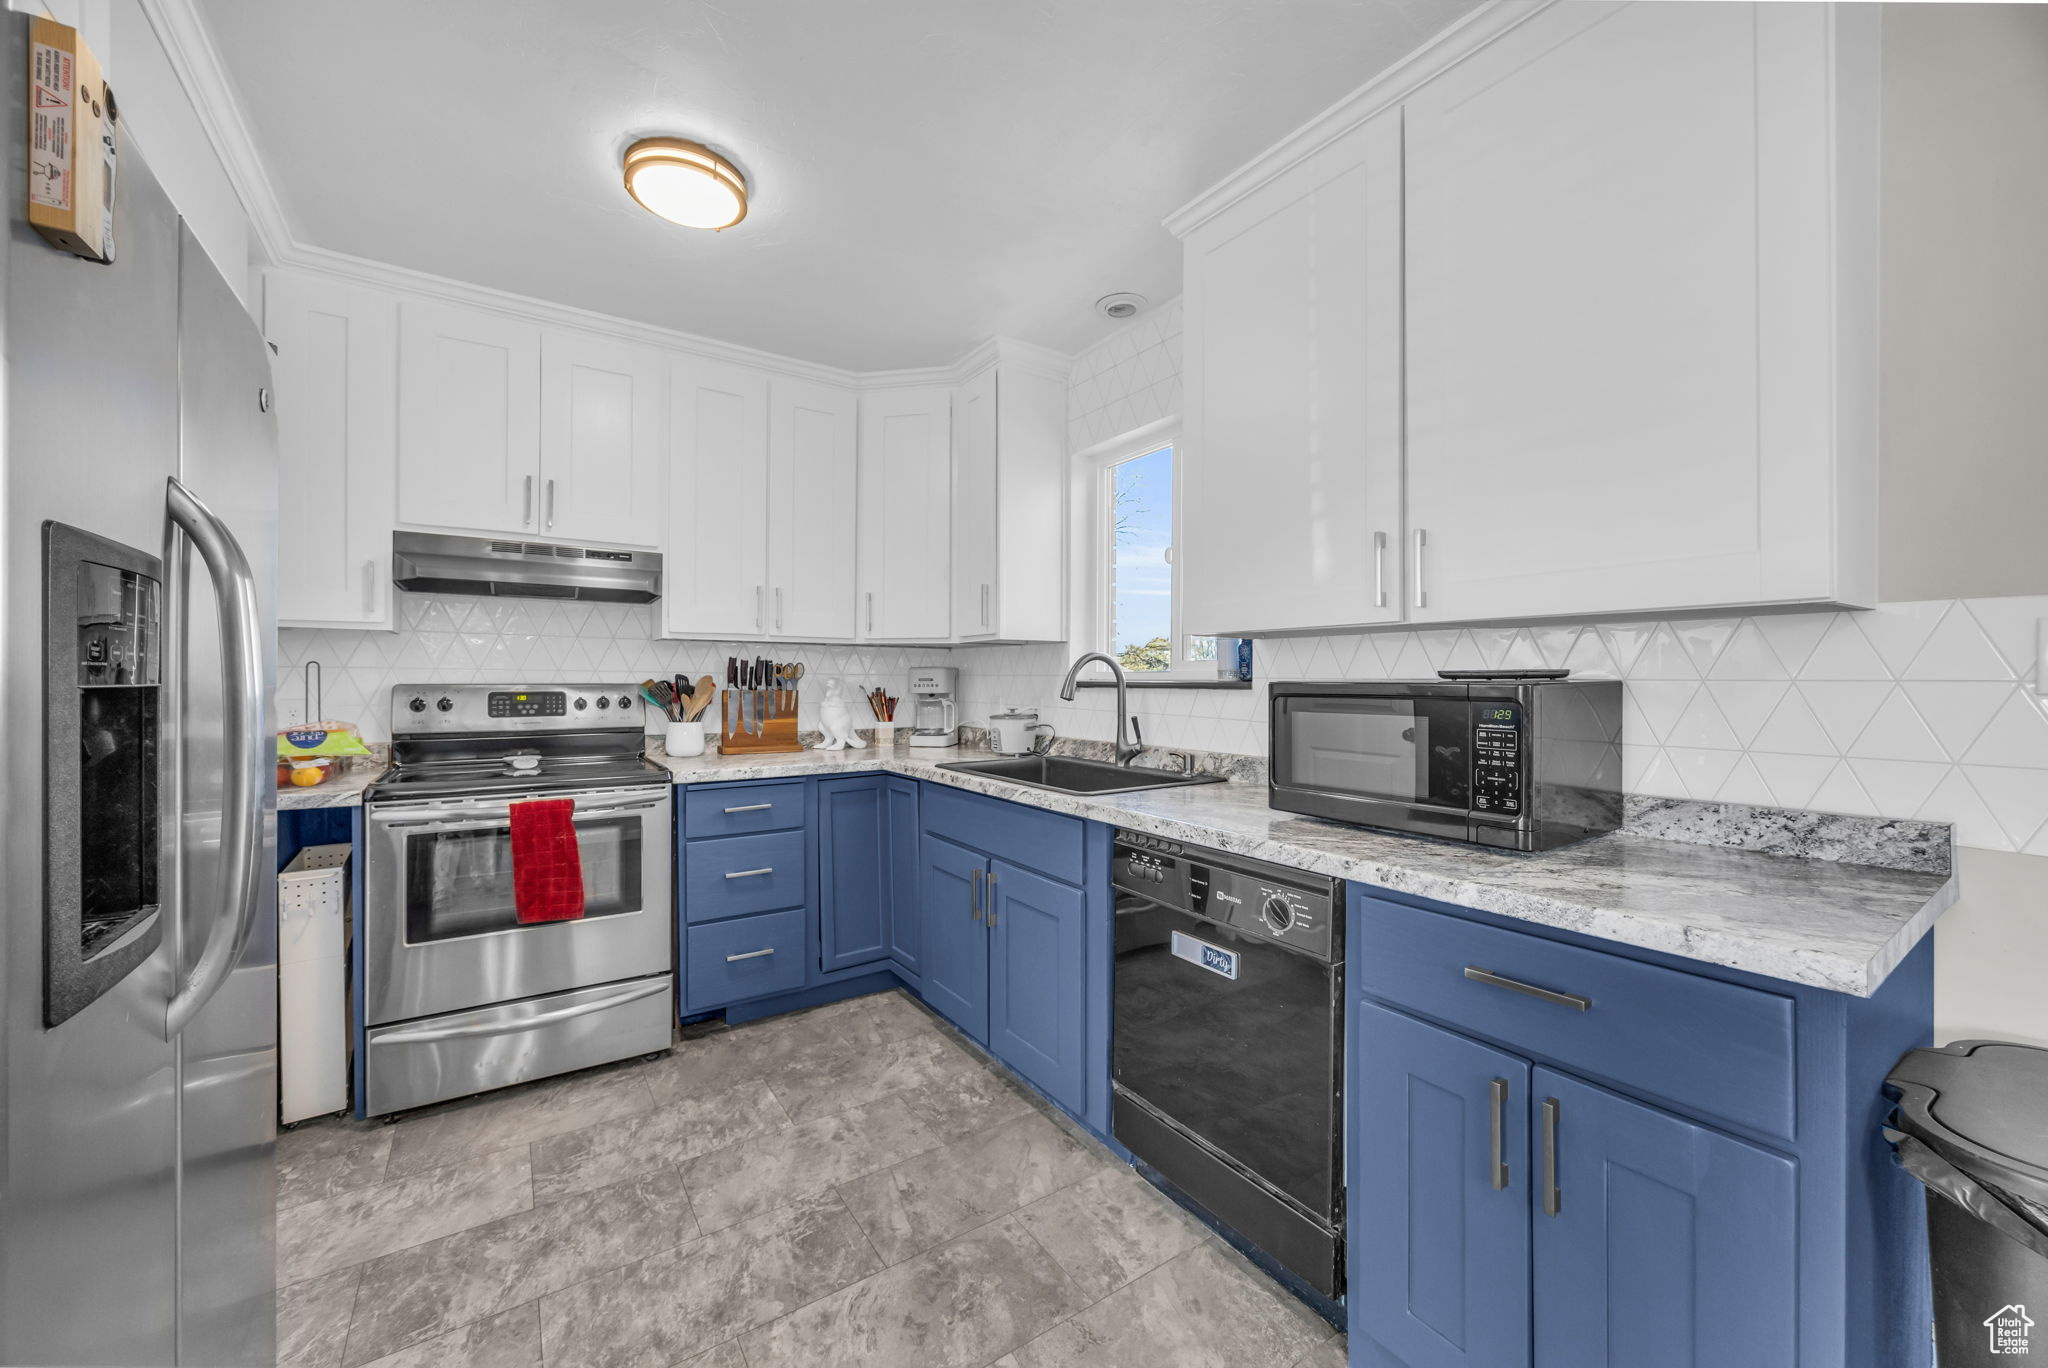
<point x="685" y="182"/>
<point x="1121" y="305"/>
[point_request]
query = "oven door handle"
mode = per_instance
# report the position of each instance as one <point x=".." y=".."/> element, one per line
<point x="487" y="813"/>
<point x="515" y="1025"/>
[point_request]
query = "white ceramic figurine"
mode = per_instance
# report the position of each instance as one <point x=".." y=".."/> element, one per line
<point x="835" y="719"/>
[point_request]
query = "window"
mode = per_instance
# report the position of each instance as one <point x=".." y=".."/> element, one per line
<point x="1140" y="591"/>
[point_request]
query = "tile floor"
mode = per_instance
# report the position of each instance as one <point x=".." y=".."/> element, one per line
<point x="851" y="1185"/>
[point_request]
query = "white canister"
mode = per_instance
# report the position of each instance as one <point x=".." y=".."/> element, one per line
<point x="685" y="738"/>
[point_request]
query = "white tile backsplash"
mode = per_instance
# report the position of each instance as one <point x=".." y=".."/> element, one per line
<point x="530" y="641"/>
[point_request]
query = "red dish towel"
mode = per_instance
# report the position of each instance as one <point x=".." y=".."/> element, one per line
<point x="547" y="868"/>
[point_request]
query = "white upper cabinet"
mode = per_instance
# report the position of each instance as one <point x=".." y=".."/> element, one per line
<point x="1009" y="505"/>
<point x="905" y="515"/>
<point x="813" y="501"/>
<point x="715" y="557"/>
<point x="1291" y="457"/>
<point x="974" y="508"/>
<point x="336" y="377"/>
<point x="602" y="443"/>
<point x="468" y="419"/>
<point x="1641" y="313"/>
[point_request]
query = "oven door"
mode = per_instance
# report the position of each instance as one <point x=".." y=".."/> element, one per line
<point x="1391" y="755"/>
<point x="441" y="932"/>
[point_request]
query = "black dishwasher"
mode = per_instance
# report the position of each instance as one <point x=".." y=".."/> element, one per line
<point x="1228" y="1063"/>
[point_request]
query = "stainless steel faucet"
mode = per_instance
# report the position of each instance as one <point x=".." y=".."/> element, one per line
<point x="1124" y="753"/>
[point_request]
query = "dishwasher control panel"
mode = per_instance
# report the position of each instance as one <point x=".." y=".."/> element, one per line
<point x="1290" y="906"/>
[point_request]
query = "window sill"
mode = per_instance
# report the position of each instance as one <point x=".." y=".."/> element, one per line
<point x="1136" y="683"/>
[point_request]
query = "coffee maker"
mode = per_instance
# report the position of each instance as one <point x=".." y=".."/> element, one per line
<point x="934" y="712"/>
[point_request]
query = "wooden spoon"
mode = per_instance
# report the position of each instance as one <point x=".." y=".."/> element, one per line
<point x="700" y="698"/>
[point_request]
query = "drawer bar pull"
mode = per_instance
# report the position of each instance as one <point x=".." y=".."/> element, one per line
<point x="752" y="807"/>
<point x="1551" y="1197"/>
<point x="1497" y="1096"/>
<point x="1571" y="1000"/>
<point x="750" y="873"/>
<point x="751" y="954"/>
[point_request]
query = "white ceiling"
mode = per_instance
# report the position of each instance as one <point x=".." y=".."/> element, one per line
<point x="926" y="173"/>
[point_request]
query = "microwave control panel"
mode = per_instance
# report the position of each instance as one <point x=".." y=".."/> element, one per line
<point x="1497" y="785"/>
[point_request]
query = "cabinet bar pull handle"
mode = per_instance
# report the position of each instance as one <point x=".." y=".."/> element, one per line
<point x="750" y="873"/>
<point x="751" y="807"/>
<point x="778" y="607"/>
<point x="369" y="593"/>
<point x="757" y="608"/>
<point x="1379" y="569"/>
<point x="551" y="505"/>
<point x="751" y="954"/>
<point x="1571" y="1000"/>
<point x="1497" y="1097"/>
<point x="527" y="516"/>
<point x="974" y="897"/>
<point x="1421" y="542"/>
<point x="871" y="610"/>
<point x="1550" y="1194"/>
<point x="984" y="605"/>
<point x="988" y="900"/>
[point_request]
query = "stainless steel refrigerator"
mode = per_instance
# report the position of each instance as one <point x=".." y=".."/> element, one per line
<point x="138" y="553"/>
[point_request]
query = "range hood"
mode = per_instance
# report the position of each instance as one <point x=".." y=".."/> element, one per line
<point x="430" y="563"/>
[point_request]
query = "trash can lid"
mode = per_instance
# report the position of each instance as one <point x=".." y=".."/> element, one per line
<point x="1983" y="1105"/>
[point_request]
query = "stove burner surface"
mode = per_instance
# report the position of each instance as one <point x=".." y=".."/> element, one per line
<point x="523" y="772"/>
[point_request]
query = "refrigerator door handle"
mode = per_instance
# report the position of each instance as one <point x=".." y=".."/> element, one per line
<point x="242" y="766"/>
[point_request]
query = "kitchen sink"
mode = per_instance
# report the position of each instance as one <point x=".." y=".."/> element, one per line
<point x="1067" y="774"/>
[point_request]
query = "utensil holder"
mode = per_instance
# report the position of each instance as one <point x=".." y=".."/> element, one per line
<point x="685" y="738"/>
<point x="774" y="729"/>
<point x="885" y="734"/>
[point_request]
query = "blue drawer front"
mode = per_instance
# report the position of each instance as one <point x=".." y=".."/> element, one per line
<point x="1029" y="837"/>
<point x="1702" y="1044"/>
<point x="742" y="874"/>
<point x="724" y="962"/>
<point x="742" y="809"/>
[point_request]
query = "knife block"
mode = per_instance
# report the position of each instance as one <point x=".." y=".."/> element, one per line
<point x="777" y="725"/>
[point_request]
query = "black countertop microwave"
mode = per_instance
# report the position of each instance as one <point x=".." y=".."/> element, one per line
<point x="1523" y="764"/>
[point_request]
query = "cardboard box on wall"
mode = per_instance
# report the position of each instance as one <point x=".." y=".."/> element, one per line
<point x="71" y="135"/>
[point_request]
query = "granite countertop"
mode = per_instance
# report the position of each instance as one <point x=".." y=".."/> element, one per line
<point x="1818" y="917"/>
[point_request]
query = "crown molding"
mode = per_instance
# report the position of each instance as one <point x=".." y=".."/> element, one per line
<point x="1382" y="92"/>
<point x="188" y="44"/>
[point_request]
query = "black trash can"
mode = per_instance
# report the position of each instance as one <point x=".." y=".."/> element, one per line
<point x="1972" y="1124"/>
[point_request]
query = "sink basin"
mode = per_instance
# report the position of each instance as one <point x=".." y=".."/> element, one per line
<point x="1068" y="774"/>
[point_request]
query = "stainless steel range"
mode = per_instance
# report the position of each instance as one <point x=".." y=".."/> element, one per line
<point x="460" y="996"/>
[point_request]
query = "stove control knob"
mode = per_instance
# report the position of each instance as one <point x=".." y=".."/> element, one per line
<point x="418" y="705"/>
<point x="581" y="704"/>
<point x="445" y="704"/>
<point x="1276" y="914"/>
<point x="603" y="702"/>
<point x="625" y="701"/>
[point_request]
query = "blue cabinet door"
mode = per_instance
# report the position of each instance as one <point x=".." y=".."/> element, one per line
<point x="1439" y="1238"/>
<point x="1672" y="1243"/>
<point x="1038" y="979"/>
<point x="853" y="873"/>
<point x="905" y="922"/>
<point x="955" y="941"/>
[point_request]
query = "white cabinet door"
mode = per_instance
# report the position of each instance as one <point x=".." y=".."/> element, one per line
<point x="468" y="419"/>
<point x="1291" y="457"/>
<point x="715" y="565"/>
<point x="974" y="508"/>
<point x="905" y="515"/>
<point x="336" y="377"/>
<point x="1624" y="363"/>
<point x="601" y="439"/>
<point x="813" y="502"/>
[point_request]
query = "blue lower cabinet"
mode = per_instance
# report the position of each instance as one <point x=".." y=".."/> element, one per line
<point x="1667" y="1242"/>
<point x="853" y="866"/>
<point x="748" y="957"/>
<point x="955" y="946"/>
<point x="731" y="876"/>
<point x="1036" y="1015"/>
<point x="1440" y="1250"/>
<point x="905" y="924"/>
